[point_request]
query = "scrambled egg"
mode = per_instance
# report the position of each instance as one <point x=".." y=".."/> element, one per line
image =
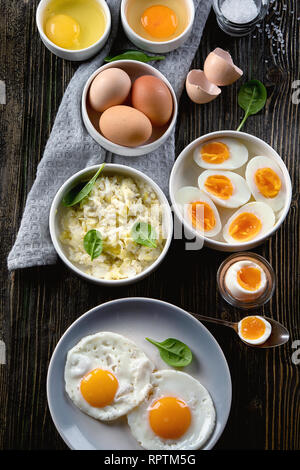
<point x="113" y="206"/>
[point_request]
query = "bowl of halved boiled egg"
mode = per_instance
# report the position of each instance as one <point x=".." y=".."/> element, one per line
<point x="230" y="189"/>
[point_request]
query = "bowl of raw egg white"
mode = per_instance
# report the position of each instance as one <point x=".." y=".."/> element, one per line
<point x="129" y="108"/>
<point x="157" y="26"/>
<point x="73" y="29"/>
<point x="230" y="189"/>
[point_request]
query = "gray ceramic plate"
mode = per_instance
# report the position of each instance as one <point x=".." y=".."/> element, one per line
<point x="136" y="318"/>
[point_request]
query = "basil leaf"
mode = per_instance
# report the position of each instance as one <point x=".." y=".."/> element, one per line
<point x="173" y="352"/>
<point x="134" y="55"/>
<point x="144" y="234"/>
<point x="75" y="195"/>
<point x="252" y="98"/>
<point x="92" y="243"/>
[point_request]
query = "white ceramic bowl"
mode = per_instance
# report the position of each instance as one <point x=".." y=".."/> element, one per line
<point x="76" y="55"/>
<point x="185" y="172"/>
<point x="86" y="174"/>
<point x="90" y="118"/>
<point x="155" y="46"/>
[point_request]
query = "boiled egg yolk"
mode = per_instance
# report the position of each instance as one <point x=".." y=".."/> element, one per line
<point x="267" y="182"/>
<point x="215" y="152"/>
<point x="252" y="328"/>
<point x="201" y="215"/>
<point x="159" y="21"/>
<point x="249" y="278"/>
<point x="245" y="227"/>
<point x="219" y="185"/>
<point x="62" y="30"/>
<point x="99" y="387"/>
<point x="169" y="417"/>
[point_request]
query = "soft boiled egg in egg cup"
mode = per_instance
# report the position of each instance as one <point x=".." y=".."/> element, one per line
<point x="157" y="26"/>
<point x="230" y="152"/>
<point x="118" y="86"/>
<point x="64" y="29"/>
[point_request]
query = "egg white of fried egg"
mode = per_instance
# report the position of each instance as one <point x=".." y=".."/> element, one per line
<point x="221" y="154"/>
<point x="225" y="188"/>
<point x="266" y="182"/>
<point x="198" y="210"/>
<point x="107" y="375"/>
<point x="249" y="222"/>
<point x="178" y="414"/>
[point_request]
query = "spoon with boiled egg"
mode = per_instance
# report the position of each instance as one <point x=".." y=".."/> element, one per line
<point x="254" y="330"/>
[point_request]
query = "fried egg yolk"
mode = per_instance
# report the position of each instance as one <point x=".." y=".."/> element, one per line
<point x="215" y="152"/>
<point x="267" y="182"/>
<point x="252" y="328"/>
<point x="249" y="278"/>
<point x="99" y="387"/>
<point x="245" y="227"/>
<point x="159" y="21"/>
<point x="169" y="417"/>
<point x="62" y="30"/>
<point x="201" y="215"/>
<point x="219" y="185"/>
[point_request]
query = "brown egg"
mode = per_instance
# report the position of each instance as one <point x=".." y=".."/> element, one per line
<point x="199" y="89"/>
<point x="152" y="96"/>
<point x="109" y="88"/>
<point x="220" y="69"/>
<point x="126" y="126"/>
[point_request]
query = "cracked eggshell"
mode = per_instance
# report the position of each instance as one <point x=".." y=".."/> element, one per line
<point x="199" y="89"/>
<point x="220" y="69"/>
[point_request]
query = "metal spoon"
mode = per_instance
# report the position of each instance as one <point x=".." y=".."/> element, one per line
<point x="278" y="336"/>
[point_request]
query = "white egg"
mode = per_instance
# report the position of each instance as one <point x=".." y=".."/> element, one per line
<point x="249" y="222"/>
<point x="248" y="329"/>
<point x="225" y="188"/>
<point x="224" y="154"/>
<point x="245" y="280"/>
<point x="266" y="182"/>
<point x="206" y="222"/>
<point x="178" y="414"/>
<point x="107" y="375"/>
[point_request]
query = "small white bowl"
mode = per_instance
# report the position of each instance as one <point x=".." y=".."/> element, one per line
<point x="90" y="118"/>
<point x="185" y="172"/>
<point x="75" y="55"/>
<point x="85" y="174"/>
<point x="158" y="46"/>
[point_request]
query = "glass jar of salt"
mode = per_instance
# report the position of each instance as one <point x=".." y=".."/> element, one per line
<point x="239" y="17"/>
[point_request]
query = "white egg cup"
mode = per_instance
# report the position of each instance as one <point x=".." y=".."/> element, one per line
<point x="158" y="46"/>
<point x="74" y="55"/>
<point x="135" y="70"/>
<point x="184" y="173"/>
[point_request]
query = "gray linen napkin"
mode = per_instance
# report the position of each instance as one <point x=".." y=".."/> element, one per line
<point x="70" y="148"/>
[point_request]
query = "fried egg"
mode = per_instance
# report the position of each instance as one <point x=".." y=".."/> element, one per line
<point x="221" y="154"/>
<point x="178" y="414"/>
<point x="225" y="188"/>
<point x="254" y="329"/>
<point x="249" y="222"/>
<point x="245" y="280"/>
<point x="199" y="210"/>
<point x="266" y="182"/>
<point x="107" y="375"/>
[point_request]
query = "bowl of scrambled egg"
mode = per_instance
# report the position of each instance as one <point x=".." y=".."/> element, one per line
<point x="111" y="225"/>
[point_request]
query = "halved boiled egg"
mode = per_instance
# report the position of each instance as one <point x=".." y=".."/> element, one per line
<point x="226" y="154"/>
<point x="249" y="222"/>
<point x="266" y="182"/>
<point x="254" y="329"/>
<point x="199" y="210"/>
<point x="225" y="188"/>
<point x="245" y="280"/>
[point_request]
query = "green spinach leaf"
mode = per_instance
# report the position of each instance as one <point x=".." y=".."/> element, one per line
<point x="75" y="195"/>
<point x="134" y="55"/>
<point x="92" y="243"/>
<point x="144" y="234"/>
<point x="252" y="98"/>
<point x="174" y="352"/>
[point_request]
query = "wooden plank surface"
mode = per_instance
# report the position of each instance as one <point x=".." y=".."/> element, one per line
<point x="38" y="304"/>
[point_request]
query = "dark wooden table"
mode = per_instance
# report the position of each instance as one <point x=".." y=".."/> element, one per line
<point x="38" y="304"/>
